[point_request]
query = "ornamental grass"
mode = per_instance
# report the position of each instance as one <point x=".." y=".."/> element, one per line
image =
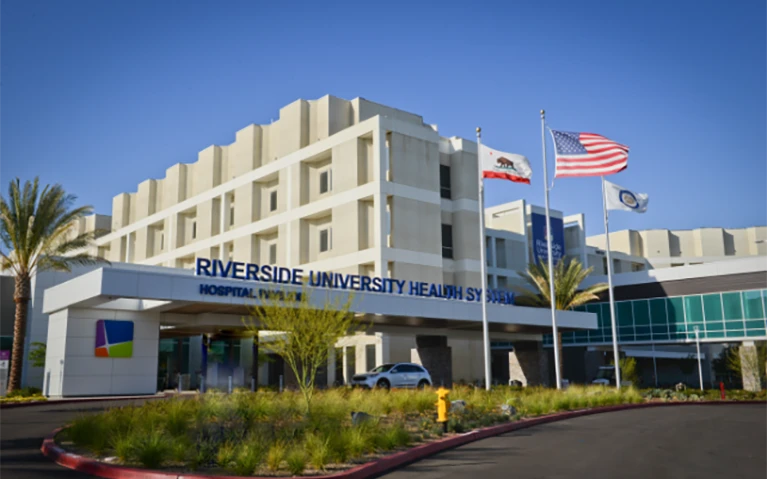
<point x="270" y="433"/>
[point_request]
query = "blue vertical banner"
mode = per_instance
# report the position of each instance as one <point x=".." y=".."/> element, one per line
<point x="557" y="237"/>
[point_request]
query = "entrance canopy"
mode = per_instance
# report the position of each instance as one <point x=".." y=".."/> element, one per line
<point x="186" y="301"/>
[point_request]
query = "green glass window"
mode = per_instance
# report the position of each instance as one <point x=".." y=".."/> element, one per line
<point x="658" y="311"/>
<point x="755" y="324"/>
<point x="660" y="332"/>
<point x="712" y="307"/>
<point x="693" y="310"/>
<point x="756" y="332"/>
<point x="595" y="308"/>
<point x="642" y="330"/>
<point x="732" y="306"/>
<point x="731" y="325"/>
<point x="626" y="334"/>
<point x="641" y="312"/>
<point x="714" y="334"/>
<point x="607" y="320"/>
<point x="735" y="333"/>
<point x="623" y="311"/>
<point x="752" y="300"/>
<point x="675" y="307"/>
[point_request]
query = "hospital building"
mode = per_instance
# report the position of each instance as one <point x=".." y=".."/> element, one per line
<point x="362" y="190"/>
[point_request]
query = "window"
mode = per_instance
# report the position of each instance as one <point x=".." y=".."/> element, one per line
<point x="325" y="182"/>
<point x="272" y="254"/>
<point x="444" y="182"/>
<point x="273" y="200"/>
<point x="447" y="241"/>
<point x="162" y="241"/>
<point x="231" y="215"/>
<point x="325" y="240"/>
<point x="194" y="229"/>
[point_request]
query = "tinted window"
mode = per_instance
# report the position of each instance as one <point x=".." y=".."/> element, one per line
<point x="447" y="241"/>
<point x="273" y="201"/>
<point x="324" y="241"/>
<point x="324" y="182"/>
<point x="444" y="182"/>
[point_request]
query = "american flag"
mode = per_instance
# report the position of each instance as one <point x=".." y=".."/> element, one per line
<point x="588" y="154"/>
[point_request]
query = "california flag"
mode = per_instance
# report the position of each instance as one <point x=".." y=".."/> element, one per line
<point x="619" y="198"/>
<point x="504" y="166"/>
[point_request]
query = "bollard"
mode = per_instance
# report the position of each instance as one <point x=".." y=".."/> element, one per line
<point x="202" y="384"/>
<point x="230" y="385"/>
<point x="178" y="383"/>
<point x="721" y="390"/>
<point x="252" y="384"/>
<point x="442" y="407"/>
<point x="280" y="382"/>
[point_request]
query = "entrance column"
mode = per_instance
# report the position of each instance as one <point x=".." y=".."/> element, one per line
<point x="433" y="353"/>
<point x="95" y="352"/>
<point x="528" y="363"/>
<point x="749" y="366"/>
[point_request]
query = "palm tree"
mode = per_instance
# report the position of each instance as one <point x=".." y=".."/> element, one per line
<point x="36" y="235"/>
<point x="568" y="275"/>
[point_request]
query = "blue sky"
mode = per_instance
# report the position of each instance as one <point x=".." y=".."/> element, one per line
<point x="100" y="95"/>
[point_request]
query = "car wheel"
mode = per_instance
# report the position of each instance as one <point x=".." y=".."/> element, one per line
<point x="422" y="384"/>
<point x="383" y="384"/>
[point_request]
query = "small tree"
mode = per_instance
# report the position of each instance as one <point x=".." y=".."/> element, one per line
<point x="629" y="370"/>
<point x="37" y="354"/>
<point x="308" y="332"/>
<point x="568" y="275"/>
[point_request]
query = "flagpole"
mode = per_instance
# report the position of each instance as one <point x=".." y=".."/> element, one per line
<point x="483" y="263"/>
<point x="610" y="286"/>
<point x="554" y="329"/>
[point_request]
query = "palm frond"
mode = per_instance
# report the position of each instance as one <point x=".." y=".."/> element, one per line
<point x="568" y="275"/>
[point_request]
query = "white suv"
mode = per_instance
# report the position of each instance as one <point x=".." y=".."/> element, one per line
<point x="395" y="375"/>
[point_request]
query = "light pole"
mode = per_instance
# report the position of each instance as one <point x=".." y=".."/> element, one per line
<point x="700" y="368"/>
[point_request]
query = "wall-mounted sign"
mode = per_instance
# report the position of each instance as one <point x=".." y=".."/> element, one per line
<point x="114" y="339"/>
<point x="5" y="359"/>
<point x="319" y="279"/>
<point x="540" y="238"/>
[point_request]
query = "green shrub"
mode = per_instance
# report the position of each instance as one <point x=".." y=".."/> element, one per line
<point x="249" y="457"/>
<point x="296" y="460"/>
<point x="151" y="449"/>
<point x="319" y="451"/>
<point x="275" y="456"/>
<point x="225" y="455"/>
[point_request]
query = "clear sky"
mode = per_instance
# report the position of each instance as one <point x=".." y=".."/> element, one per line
<point x="99" y="95"/>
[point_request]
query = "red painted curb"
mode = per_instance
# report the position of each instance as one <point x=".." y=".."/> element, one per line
<point x="78" y="400"/>
<point x="364" y="471"/>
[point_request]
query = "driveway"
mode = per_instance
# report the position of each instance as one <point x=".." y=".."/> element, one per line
<point x="668" y="442"/>
<point x="22" y="431"/>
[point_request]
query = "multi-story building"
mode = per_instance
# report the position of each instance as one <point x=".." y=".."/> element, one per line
<point x="351" y="187"/>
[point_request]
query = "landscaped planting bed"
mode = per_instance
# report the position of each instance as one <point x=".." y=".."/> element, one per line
<point x="268" y="433"/>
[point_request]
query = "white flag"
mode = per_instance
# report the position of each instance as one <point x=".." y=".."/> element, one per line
<point x="619" y="198"/>
<point x="504" y="166"/>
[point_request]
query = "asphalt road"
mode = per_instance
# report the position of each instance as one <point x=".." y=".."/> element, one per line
<point x="22" y="431"/>
<point x="722" y="442"/>
<point x="675" y="442"/>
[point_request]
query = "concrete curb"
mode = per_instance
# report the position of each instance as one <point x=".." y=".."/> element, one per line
<point x="364" y="471"/>
<point x="51" y="402"/>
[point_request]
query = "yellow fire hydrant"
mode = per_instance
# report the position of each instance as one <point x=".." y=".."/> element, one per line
<point x="442" y="406"/>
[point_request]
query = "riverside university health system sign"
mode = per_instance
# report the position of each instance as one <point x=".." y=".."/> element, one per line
<point x="540" y="239"/>
<point x="319" y="279"/>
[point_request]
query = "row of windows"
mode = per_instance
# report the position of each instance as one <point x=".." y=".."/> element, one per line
<point x="717" y="316"/>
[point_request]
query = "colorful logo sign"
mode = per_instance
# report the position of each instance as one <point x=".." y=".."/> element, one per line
<point x="114" y="339"/>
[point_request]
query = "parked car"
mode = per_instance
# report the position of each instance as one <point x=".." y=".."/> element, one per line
<point x="394" y="375"/>
<point x="606" y="377"/>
